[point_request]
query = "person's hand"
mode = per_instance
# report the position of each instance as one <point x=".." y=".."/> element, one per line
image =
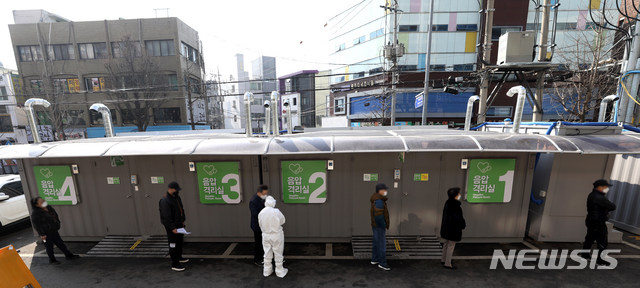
<point x="43" y="237"/>
<point x="175" y="231"/>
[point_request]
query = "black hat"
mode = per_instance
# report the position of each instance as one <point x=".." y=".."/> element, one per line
<point x="381" y="186"/>
<point x="601" y="182"/>
<point x="174" y="185"/>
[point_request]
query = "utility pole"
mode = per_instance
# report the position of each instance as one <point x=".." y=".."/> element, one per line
<point x="624" y="102"/>
<point x="427" y="68"/>
<point x="392" y="52"/>
<point x="486" y="58"/>
<point x="542" y="57"/>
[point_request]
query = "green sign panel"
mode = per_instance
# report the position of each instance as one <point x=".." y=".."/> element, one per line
<point x="304" y="181"/>
<point x="55" y="185"/>
<point x="421" y="177"/>
<point x="219" y="182"/>
<point x="370" y="177"/>
<point x="490" y="180"/>
<point x="117" y="161"/>
<point x="157" y="180"/>
<point x="113" y="180"/>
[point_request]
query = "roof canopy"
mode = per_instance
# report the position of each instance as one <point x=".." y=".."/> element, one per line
<point x="331" y="141"/>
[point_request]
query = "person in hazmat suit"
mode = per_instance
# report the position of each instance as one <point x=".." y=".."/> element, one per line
<point x="271" y="221"/>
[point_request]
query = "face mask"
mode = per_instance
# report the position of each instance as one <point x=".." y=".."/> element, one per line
<point x="263" y="196"/>
<point x="45" y="204"/>
<point x="385" y="193"/>
<point x="176" y="193"/>
<point x="458" y="197"/>
<point x="606" y="190"/>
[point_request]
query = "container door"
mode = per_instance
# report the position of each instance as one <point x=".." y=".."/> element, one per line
<point x="117" y="201"/>
<point x="418" y="187"/>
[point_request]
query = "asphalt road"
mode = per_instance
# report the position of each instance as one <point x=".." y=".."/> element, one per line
<point x="154" y="272"/>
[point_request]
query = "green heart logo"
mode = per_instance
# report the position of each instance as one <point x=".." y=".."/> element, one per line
<point x="295" y="168"/>
<point x="209" y="169"/>
<point x="46" y="172"/>
<point x="484" y="167"/>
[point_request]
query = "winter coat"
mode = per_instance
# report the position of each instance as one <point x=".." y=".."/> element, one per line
<point x="45" y="222"/>
<point x="598" y="206"/>
<point x="452" y="221"/>
<point x="255" y="205"/>
<point x="377" y="211"/>
<point x="172" y="212"/>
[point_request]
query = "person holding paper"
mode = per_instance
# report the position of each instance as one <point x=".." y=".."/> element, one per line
<point x="173" y="217"/>
<point x="271" y="221"/>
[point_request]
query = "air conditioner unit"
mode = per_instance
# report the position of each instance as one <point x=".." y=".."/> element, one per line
<point x="516" y="47"/>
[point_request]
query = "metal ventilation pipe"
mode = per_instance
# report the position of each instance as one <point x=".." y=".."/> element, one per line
<point x="289" y="124"/>
<point x="467" y="119"/>
<point x="248" y="98"/>
<point x="28" y="107"/>
<point x="517" y="119"/>
<point x="276" y="123"/>
<point x="267" y="114"/>
<point x="603" y="106"/>
<point x="106" y="118"/>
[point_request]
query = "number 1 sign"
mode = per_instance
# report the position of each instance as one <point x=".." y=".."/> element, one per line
<point x="304" y="181"/>
<point x="490" y="180"/>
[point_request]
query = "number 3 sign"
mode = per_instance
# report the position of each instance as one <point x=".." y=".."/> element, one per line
<point x="304" y="181"/>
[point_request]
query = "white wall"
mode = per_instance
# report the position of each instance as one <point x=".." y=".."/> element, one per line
<point x="336" y="121"/>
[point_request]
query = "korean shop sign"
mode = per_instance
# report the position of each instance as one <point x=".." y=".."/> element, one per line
<point x="304" y="181"/>
<point x="219" y="182"/>
<point x="56" y="185"/>
<point x="490" y="180"/>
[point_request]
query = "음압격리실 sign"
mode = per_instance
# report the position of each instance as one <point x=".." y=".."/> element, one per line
<point x="304" y="181"/>
<point x="56" y="185"/>
<point x="490" y="180"/>
<point x="219" y="182"/>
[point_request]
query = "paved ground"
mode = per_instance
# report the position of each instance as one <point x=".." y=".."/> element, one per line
<point x="210" y="272"/>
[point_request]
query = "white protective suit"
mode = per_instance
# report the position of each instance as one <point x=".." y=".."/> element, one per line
<point x="271" y="221"/>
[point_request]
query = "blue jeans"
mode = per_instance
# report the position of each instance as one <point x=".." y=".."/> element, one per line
<point x="379" y="249"/>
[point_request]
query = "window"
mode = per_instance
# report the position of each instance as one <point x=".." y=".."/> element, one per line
<point x="173" y="82"/>
<point x="408" y="28"/>
<point x="9" y="190"/>
<point x="61" y="52"/>
<point x="96" y="117"/>
<point x="37" y="87"/>
<point x="437" y="67"/>
<point x="234" y="104"/>
<point x="295" y="101"/>
<point x="566" y="26"/>
<point x="463" y="67"/>
<point x="127" y="116"/>
<point x="339" y="79"/>
<point x="66" y="85"/>
<point x="3" y="93"/>
<point x="73" y="117"/>
<point x="358" y="75"/>
<point x="338" y="105"/>
<point x="591" y="26"/>
<point x="94" y="84"/>
<point x="160" y="48"/>
<point x="408" y="67"/>
<point x="43" y="118"/>
<point x="257" y="101"/>
<point x="467" y="27"/>
<point x="93" y="51"/>
<point x="444" y="27"/>
<point x="496" y="32"/>
<point x="166" y="115"/>
<point x="499" y="111"/>
<point x="3" y="109"/>
<point x="376" y="34"/>
<point x="235" y="118"/>
<point x="375" y="71"/>
<point x="340" y="47"/>
<point x="195" y="85"/>
<point x="256" y="86"/>
<point x="358" y="40"/>
<point x="563" y="67"/>
<point x="190" y="52"/>
<point x="121" y="48"/>
<point x="30" y="53"/>
<point x="305" y="101"/>
<point x="327" y="105"/>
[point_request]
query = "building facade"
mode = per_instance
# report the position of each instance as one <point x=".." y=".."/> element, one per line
<point x="12" y="118"/>
<point x="300" y="89"/>
<point x="69" y="59"/>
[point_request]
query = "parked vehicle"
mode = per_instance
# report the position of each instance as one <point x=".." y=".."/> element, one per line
<point x="13" y="205"/>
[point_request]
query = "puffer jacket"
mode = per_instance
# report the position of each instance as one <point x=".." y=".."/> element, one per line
<point x="377" y="211"/>
<point x="45" y="222"/>
<point x="452" y="221"/>
<point x="172" y="213"/>
<point x="598" y="206"/>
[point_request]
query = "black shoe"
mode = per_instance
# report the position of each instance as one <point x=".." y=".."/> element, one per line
<point x="385" y="267"/>
<point x="72" y="257"/>
<point x="261" y="264"/>
<point x="184" y="260"/>
<point x="604" y="264"/>
<point x="451" y="267"/>
<point x="54" y="262"/>
<point x="441" y="262"/>
<point x="178" y="268"/>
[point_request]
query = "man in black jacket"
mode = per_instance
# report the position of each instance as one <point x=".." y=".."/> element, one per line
<point x="46" y="222"/>
<point x="256" y="205"/>
<point x="598" y="208"/>
<point x="172" y="217"/>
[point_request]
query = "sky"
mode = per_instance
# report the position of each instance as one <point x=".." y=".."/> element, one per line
<point x="293" y="31"/>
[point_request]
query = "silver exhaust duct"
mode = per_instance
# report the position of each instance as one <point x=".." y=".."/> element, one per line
<point x="248" y="98"/>
<point x="274" y="102"/>
<point x="522" y="94"/>
<point x="289" y="124"/>
<point x="267" y="114"/>
<point x="28" y="107"/>
<point x="467" y="119"/>
<point x="106" y="118"/>
<point x="603" y="106"/>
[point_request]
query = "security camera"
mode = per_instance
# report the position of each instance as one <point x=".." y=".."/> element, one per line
<point x="267" y="104"/>
<point x="285" y="103"/>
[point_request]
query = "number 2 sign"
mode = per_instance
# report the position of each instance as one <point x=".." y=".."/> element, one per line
<point x="304" y="181"/>
<point x="490" y="180"/>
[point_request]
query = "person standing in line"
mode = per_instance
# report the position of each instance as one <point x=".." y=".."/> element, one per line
<point x="271" y="221"/>
<point x="256" y="205"/>
<point x="598" y="208"/>
<point x="380" y="224"/>
<point x="46" y="222"/>
<point x="452" y="225"/>
<point x="172" y="216"/>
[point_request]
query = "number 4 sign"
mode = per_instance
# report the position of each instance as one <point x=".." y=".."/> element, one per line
<point x="304" y="181"/>
<point x="490" y="180"/>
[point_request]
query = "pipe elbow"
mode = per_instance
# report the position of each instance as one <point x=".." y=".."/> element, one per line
<point x="99" y="107"/>
<point x="248" y="96"/>
<point x="473" y="99"/>
<point x="37" y="101"/>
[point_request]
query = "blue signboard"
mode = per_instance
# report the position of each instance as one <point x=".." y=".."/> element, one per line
<point x="419" y="100"/>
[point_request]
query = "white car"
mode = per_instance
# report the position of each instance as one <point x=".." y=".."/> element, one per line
<point x="13" y="205"/>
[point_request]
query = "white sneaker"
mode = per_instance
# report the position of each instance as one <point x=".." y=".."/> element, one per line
<point x="177" y="268"/>
<point x="184" y="260"/>
<point x="374" y="263"/>
<point x="284" y="273"/>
